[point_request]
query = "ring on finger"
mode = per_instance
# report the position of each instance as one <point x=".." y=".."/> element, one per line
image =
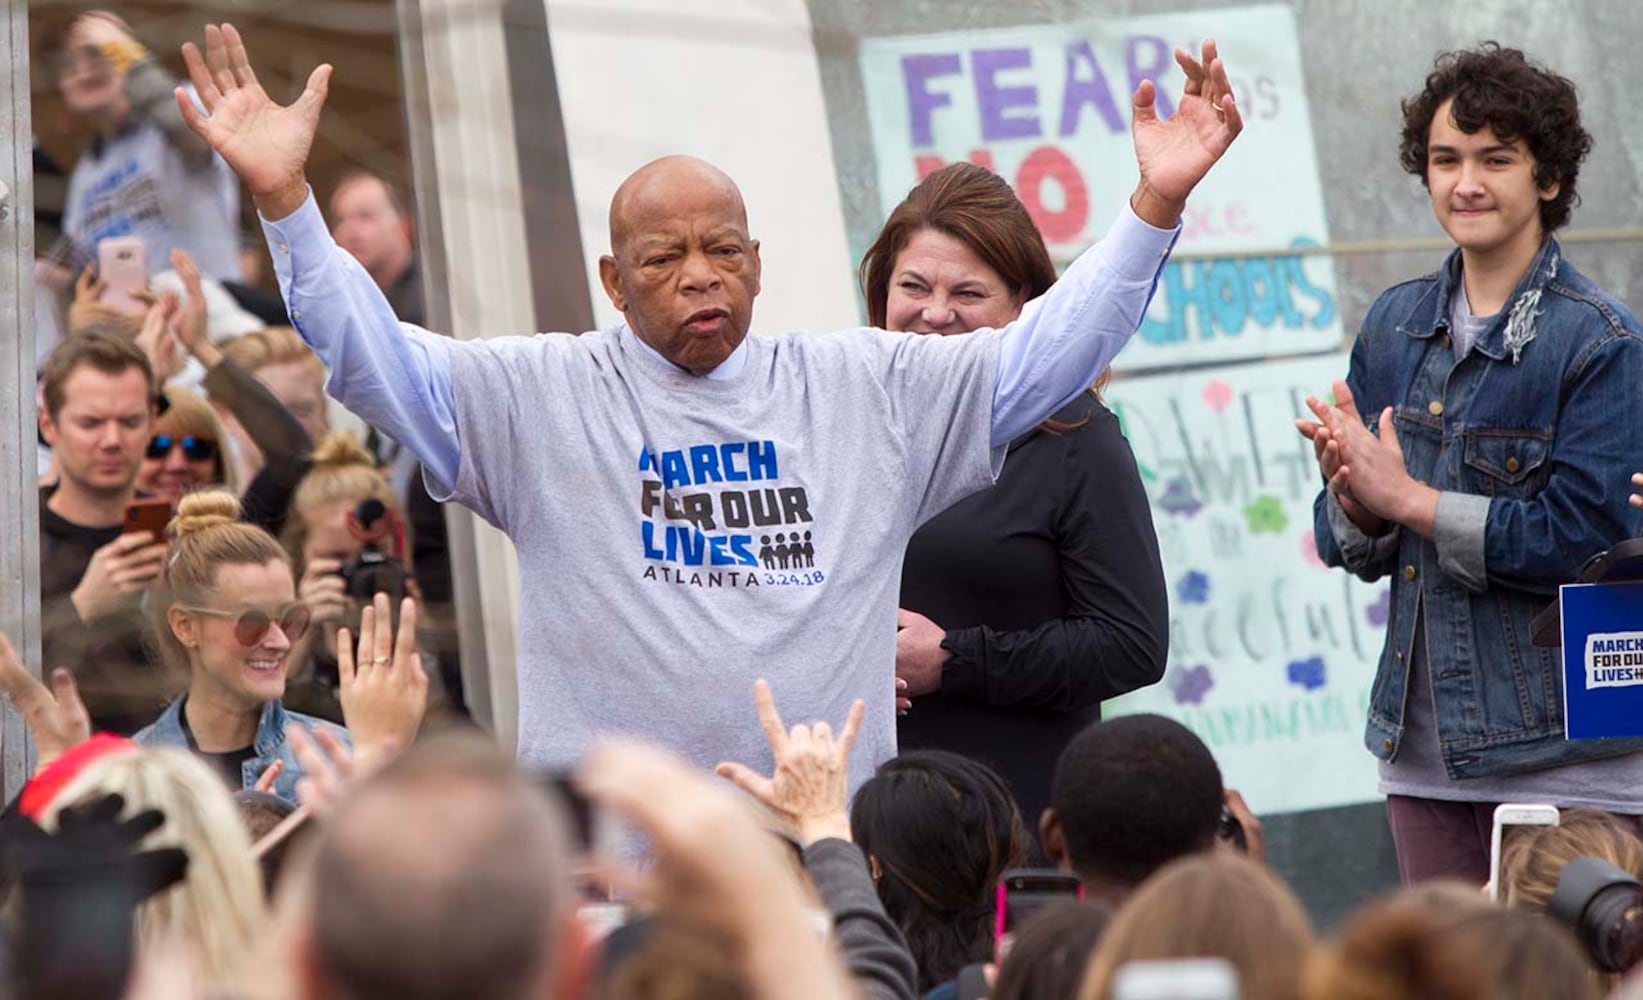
<point x="380" y="661"/>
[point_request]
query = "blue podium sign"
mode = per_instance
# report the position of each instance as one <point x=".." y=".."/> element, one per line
<point x="1602" y="659"/>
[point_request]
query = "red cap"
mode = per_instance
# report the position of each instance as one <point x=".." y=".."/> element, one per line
<point x="44" y="786"/>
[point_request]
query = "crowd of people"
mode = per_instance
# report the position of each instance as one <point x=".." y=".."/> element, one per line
<point x="255" y="775"/>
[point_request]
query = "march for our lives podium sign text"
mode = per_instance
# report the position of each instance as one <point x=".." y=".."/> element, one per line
<point x="1603" y="659"/>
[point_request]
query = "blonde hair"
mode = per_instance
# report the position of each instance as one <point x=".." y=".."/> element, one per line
<point x="206" y="534"/>
<point x="189" y="415"/>
<point x="275" y="345"/>
<point x="1532" y="859"/>
<point x="1212" y="905"/>
<point x="218" y="907"/>
<point x="343" y="472"/>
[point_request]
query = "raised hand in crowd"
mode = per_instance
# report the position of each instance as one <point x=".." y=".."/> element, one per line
<point x="809" y="788"/>
<point x="1253" y="837"/>
<point x="55" y="716"/>
<point x="384" y="690"/>
<point x="711" y="846"/>
<point x="189" y="323"/>
<point x="87" y="307"/>
<point x="1175" y="153"/>
<point x="324" y="591"/>
<point x="118" y="572"/>
<point x="328" y="768"/>
<point x="265" y="143"/>
<point x="157" y="339"/>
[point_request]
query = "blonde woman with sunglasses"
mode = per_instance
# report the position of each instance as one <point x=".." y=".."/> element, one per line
<point x="229" y="615"/>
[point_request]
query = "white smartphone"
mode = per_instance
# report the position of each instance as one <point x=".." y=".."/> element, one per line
<point x="1179" y="979"/>
<point x="1507" y="815"/>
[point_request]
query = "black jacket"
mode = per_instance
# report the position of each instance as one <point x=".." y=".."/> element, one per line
<point x="1051" y="591"/>
<point x="122" y="684"/>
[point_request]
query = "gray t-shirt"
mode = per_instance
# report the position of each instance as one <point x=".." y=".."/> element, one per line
<point x="682" y="537"/>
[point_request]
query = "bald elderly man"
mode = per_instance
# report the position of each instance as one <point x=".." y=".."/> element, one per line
<point x="694" y="508"/>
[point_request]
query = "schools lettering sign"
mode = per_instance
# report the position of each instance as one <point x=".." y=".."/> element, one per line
<point x="1048" y="108"/>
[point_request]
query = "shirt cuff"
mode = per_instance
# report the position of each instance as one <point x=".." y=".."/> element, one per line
<point x="300" y="235"/>
<point x="1134" y="249"/>
<point x="1459" y="532"/>
<point x="1357" y="548"/>
<point x="961" y="676"/>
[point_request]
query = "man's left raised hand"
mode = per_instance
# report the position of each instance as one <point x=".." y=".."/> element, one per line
<point x="1175" y="153"/>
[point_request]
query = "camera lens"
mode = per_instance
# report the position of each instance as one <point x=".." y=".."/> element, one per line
<point x="1604" y="905"/>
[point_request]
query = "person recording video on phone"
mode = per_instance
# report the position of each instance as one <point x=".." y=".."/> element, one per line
<point x="97" y="414"/>
<point x="696" y="491"/>
<point x="143" y="173"/>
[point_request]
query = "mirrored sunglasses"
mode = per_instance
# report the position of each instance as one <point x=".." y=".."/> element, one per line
<point x="195" y="449"/>
<point x="252" y="624"/>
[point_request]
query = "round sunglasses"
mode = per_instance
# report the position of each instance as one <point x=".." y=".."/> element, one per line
<point x="252" y="624"/>
<point x="195" y="449"/>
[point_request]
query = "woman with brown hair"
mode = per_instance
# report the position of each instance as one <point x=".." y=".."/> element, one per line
<point x="1026" y="605"/>
<point x="1214" y="905"/>
<point x="185" y="452"/>
<point x="1532" y="859"/>
<point x="1412" y="946"/>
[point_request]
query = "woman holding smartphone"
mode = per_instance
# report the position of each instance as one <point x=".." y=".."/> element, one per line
<point x="228" y="615"/>
<point x="1026" y="605"/>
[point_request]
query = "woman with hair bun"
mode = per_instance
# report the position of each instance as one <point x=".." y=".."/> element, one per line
<point x="323" y="537"/>
<point x="228" y="615"/>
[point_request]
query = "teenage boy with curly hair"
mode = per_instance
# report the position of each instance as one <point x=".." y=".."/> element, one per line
<point x="1475" y="454"/>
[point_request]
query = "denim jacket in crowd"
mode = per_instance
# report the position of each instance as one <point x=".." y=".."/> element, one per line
<point x="1531" y="439"/>
<point x="270" y="743"/>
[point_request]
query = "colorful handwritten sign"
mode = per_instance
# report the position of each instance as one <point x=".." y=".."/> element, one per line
<point x="1271" y="653"/>
<point x="1048" y="108"/>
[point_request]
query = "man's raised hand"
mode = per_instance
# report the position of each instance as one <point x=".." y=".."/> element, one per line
<point x="266" y="144"/>
<point x="1175" y="153"/>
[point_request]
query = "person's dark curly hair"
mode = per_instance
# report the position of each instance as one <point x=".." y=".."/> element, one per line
<point x="1502" y="90"/>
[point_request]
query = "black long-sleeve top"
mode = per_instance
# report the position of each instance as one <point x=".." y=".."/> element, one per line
<point x="285" y="447"/>
<point x="1052" y="595"/>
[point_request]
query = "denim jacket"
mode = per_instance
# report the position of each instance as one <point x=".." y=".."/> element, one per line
<point x="270" y="743"/>
<point x="1530" y="440"/>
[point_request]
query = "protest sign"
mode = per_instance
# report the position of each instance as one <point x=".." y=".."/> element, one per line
<point x="1048" y="108"/>
<point x="1271" y="652"/>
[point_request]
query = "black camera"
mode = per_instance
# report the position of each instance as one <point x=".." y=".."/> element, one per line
<point x="374" y="571"/>
<point x="1604" y="905"/>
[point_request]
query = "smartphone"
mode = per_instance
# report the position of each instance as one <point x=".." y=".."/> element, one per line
<point x="1507" y="815"/>
<point x="122" y="266"/>
<point x="596" y="836"/>
<point x="152" y="515"/>
<point x="1176" y="979"/>
<point x="1023" y="891"/>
